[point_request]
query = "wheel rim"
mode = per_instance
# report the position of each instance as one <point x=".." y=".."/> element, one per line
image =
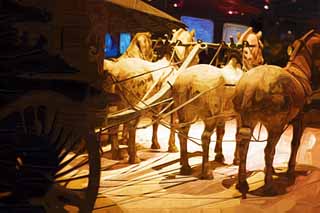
<point x="46" y="167"/>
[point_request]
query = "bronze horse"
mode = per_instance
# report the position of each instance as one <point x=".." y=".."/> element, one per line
<point x="139" y="47"/>
<point x="152" y="75"/>
<point x="214" y="106"/>
<point x="276" y="97"/>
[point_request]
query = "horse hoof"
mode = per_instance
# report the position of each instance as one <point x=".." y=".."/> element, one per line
<point x="270" y="190"/>
<point x="219" y="158"/>
<point x="243" y="188"/>
<point x="135" y="161"/>
<point x="291" y="177"/>
<point x="117" y="156"/>
<point x="155" y="146"/>
<point x="173" y="149"/>
<point x="208" y="176"/>
<point x="186" y="170"/>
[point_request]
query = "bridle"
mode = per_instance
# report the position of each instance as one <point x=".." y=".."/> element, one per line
<point x="250" y="49"/>
<point x="144" y="57"/>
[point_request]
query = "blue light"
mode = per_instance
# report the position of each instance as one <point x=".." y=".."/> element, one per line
<point x="125" y="39"/>
<point x="204" y="28"/>
<point x="111" y="46"/>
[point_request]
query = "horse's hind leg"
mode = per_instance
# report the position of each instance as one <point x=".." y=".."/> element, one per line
<point x="205" y="139"/>
<point x="269" y="152"/>
<point x="295" y="143"/>
<point x="218" y="148"/>
<point x="183" y="138"/>
<point x="155" y="144"/>
<point x="236" y="159"/>
<point x="244" y="136"/>
<point x="172" y="145"/>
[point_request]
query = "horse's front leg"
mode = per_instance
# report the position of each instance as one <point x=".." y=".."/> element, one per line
<point x="205" y="139"/>
<point x="172" y="140"/>
<point x="132" y="150"/>
<point x="125" y="134"/>
<point x="218" y="148"/>
<point x="183" y="138"/>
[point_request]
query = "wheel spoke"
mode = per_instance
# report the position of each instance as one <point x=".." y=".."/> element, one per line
<point x="44" y="165"/>
<point x="61" y="166"/>
<point x="63" y="140"/>
<point x="73" y="178"/>
<point x="67" y="196"/>
<point x="49" y="121"/>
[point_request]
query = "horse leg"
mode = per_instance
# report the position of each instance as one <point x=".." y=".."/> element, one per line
<point x="269" y="152"/>
<point x="172" y="142"/>
<point x="155" y="144"/>
<point x="244" y="134"/>
<point x="125" y="134"/>
<point x="236" y="158"/>
<point x="183" y="138"/>
<point x="113" y="140"/>
<point x="218" y="148"/>
<point x="132" y="151"/>
<point x="205" y="139"/>
<point x="295" y="143"/>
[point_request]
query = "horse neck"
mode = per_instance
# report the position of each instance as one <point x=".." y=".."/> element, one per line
<point x="159" y="67"/>
<point x="231" y="72"/>
<point x="301" y="63"/>
<point x="131" y="53"/>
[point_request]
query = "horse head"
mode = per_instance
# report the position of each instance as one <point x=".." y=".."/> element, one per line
<point x="140" y="47"/>
<point x="181" y="52"/>
<point x="306" y="57"/>
<point x="252" y="54"/>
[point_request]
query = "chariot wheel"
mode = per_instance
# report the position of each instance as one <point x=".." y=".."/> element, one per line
<point x="49" y="158"/>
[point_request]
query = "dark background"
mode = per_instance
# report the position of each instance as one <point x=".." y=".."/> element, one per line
<point x="282" y="23"/>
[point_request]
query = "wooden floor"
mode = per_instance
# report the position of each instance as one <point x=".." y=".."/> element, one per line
<point x="155" y="185"/>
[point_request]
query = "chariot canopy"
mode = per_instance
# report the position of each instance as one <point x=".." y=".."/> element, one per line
<point x="135" y="16"/>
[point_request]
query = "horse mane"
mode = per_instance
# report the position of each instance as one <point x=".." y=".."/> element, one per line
<point x="134" y="49"/>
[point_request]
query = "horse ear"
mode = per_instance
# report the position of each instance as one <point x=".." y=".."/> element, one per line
<point x="193" y="32"/>
<point x="245" y="35"/>
<point x="238" y="36"/>
<point x="261" y="44"/>
<point x="259" y="35"/>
